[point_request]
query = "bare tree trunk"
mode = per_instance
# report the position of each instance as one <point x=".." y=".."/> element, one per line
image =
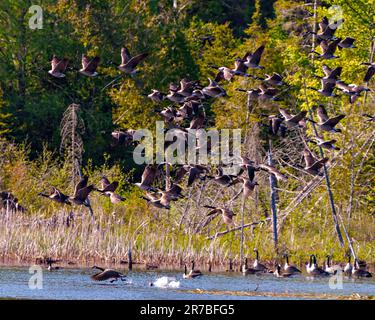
<point x="242" y="228"/>
<point x="273" y="186"/>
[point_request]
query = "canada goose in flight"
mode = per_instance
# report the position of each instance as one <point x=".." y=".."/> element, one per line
<point x="325" y="144"/>
<point x="198" y="121"/>
<point x="328" y="124"/>
<point x="168" y="114"/>
<point x="174" y="192"/>
<point x="327" y="88"/>
<point x="148" y="177"/>
<point x="347" y="43"/>
<point x="257" y="265"/>
<point x="248" y="165"/>
<point x="253" y="94"/>
<point x="122" y="137"/>
<point x="157" y="201"/>
<point x="195" y="172"/>
<point x="174" y="96"/>
<point x="279" y="274"/>
<point x="276" y="125"/>
<point x="89" y="66"/>
<point x="187" y="88"/>
<point x="248" y="187"/>
<point x="156" y="96"/>
<point x="226" y="213"/>
<point x="328" y="49"/>
<point x="292" y="120"/>
<point x="313" y="269"/>
<point x="329" y="268"/>
<point x="129" y="63"/>
<point x="252" y="60"/>
<point x="213" y="90"/>
<point x="274" y="80"/>
<point x="370" y="71"/>
<point x="107" y="274"/>
<point x="267" y="93"/>
<point x="331" y="75"/>
<point x="327" y="30"/>
<point x="106" y="185"/>
<point x="58" y="67"/>
<point x="352" y="90"/>
<point x="246" y="270"/>
<point x="223" y="179"/>
<point x="272" y="170"/>
<point x="81" y="192"/>
<point x="227" y="74"/>
<point x="114" y="197"/>
<point x="358" y="272"/>
<point x="313" y="165"/>
<point x="56" y="195"/>
<point x="192" y="273"/>
<point x="288" y="268"/>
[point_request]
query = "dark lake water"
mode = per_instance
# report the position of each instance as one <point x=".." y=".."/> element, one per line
<point x="76" y="284"/>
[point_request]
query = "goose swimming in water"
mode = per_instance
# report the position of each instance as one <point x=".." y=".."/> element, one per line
<point x="313" y="269"/>
<point x="290" y="268"/>
<point x="279" y="274"/>
<point x="257" y="265"/>
<point x="358" y="272"/>
<point x="246" y="270"/>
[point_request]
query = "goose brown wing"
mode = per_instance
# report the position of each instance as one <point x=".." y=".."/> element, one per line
<point x="93" y="64"/>
<point x="327" y="70"/>
<point x="111" y="187"/>
<point x="125" y="55"/>
<point x="210" y="213"/>
<point x="369" y="73"/>
<point x="81" y="184"/>
<point x="335" y="73"/>
<point x="149" y="175"/>
<point x="331" y="48"/>
<point x="335" y="120"/>
<point x="133" y="62"/>
<point x="54" y="62"/>
<point x="322" y="114"/>
<point x="84" y="192"/>
<point x="104" y="182"/>
<point x="106" y="275"/>
<point x="318" y="164"/>
<point x="298" y="117"/>
<point x="257" y="55"/>
<point x="309" y="158"/>
<point x="193" y="174"/>
<point x="85" y="61"/>
<point x="240" y="66"/>
<point x="323" y="24"/>
<point x="285" y="114"/>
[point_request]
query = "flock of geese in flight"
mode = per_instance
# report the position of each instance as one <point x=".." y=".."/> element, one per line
<point x="189" y="96"/>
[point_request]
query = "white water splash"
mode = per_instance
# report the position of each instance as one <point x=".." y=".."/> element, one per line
<point x="166" y="282"/>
